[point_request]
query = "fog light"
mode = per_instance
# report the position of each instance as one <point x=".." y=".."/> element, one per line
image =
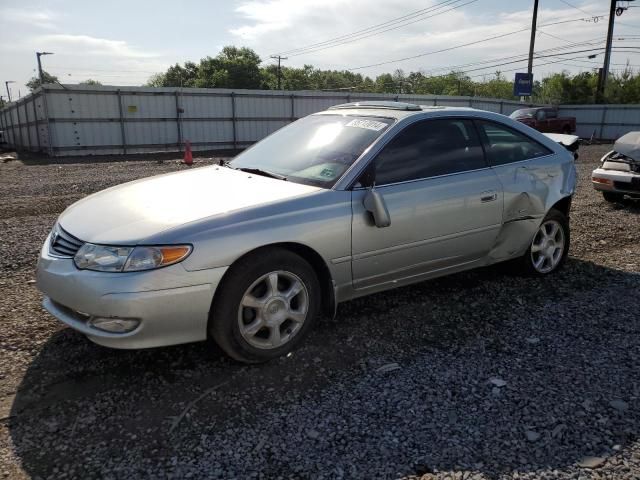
<point x="602" y="181"/>
<point x="115" y="325"/>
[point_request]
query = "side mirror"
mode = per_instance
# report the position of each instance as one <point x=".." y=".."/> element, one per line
<point x="374" y="203"/>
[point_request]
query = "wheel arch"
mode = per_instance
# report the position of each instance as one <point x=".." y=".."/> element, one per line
<point x="328" y="296"/>
<point x="563" y="205"/>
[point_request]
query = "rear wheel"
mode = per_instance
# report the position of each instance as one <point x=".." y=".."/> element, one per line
<point x="266" y="305"/>
<point x="613" y="197"/>
<point x="549" y="247"/>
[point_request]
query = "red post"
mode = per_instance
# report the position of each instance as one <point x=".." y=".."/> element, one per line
<point x="188" y="155"/>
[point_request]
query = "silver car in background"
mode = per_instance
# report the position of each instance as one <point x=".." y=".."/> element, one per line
<point x="347" y="202"/>
<point x="619" y="171"/>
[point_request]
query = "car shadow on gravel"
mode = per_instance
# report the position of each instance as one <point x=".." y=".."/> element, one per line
<point x="39" y="159"/>
<point x="562" y="356"/>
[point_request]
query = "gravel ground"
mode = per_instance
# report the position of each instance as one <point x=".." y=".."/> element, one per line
<point x="478" y="375"/>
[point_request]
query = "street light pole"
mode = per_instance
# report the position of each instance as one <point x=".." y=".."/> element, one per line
<point x="6" y="84"/>
<point x="38" y="55"/>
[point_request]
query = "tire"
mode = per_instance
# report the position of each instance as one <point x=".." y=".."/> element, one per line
<point x="566" y="130"/>
<point x="252" y="318"/>
<point x="546" y="255"/>
<point x="613" y="197"/>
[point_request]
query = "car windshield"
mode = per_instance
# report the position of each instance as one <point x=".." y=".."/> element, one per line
<point x="315" y="150"/>
<point x="524" y="112"/>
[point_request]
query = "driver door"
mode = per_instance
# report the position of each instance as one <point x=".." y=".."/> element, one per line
<point x="444" y="202"/>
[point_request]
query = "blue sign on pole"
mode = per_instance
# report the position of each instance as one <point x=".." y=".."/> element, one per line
<point x="523" y="85"/>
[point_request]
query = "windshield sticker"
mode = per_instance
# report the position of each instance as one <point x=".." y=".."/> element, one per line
<point x="327" y="172"/>
<point x="368" y="124"/>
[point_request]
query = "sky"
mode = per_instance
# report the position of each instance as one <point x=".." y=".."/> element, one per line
<point x="125" y="42"/>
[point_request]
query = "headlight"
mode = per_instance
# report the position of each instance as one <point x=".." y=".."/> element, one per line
<point x="105" y="258"/>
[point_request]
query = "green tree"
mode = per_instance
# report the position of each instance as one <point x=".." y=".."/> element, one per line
<point x="46" y="77"/>
<point x="239" y="67"/>
<point x="233" y="67"/>
<point x="385" y="84"/>
<point x="496" y="87"/>
<point x="156" y="80"/>
<point x="90" y="82"/>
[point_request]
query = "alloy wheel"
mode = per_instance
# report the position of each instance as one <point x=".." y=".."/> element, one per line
<point x="273" y="309"/>
<point x="548" y="246"/>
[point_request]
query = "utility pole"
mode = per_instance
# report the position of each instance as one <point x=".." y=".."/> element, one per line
<point x="532" y="42"/>
<point x="604" y="73"/>
<point x="6" y="84"/>
<point x="279" y="70"/>
<point x="38" y="55"/>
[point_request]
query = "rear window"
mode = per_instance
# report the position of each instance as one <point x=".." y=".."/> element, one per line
<point x="504" y="145"/>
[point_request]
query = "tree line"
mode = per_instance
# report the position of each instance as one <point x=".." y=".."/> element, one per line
<point x="240" y="68"/>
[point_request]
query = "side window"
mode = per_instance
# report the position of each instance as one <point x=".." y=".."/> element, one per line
<point x="428" y="149"/>
<point x="551" y="113"/>
<point x="504" y="145"/>
<point x="541" y="115"/>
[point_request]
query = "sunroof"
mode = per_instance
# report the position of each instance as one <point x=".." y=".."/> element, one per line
<point x="382" y="104"/>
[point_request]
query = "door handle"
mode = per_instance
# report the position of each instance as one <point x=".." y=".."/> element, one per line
<point x="488" y="196"/>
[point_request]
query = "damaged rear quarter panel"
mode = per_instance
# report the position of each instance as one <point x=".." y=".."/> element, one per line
<point x="531" y="188"/>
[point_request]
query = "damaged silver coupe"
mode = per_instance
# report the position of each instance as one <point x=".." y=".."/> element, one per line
<point x="347" y="202"/>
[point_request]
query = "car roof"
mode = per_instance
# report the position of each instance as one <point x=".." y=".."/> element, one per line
<point x="396" y="110"/>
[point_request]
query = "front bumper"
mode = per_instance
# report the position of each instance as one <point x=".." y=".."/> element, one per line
<point x="618" y="181"/>
<point x="171" y="303"/>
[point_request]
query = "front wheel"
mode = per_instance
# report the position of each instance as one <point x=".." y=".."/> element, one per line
<point x="549" y="247"/>
<point x="265" y="306"/>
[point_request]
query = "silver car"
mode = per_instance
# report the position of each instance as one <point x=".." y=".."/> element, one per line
<point x="344" y="203"/>
<point x="619" y="171"/>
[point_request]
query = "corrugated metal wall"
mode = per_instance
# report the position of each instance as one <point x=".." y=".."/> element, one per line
<point x="603" y="121"/>
<point x="25" y="124"/>
<point x="81" y="120"/>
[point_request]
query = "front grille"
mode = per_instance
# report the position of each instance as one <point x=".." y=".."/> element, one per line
<point x="63" y="243"/>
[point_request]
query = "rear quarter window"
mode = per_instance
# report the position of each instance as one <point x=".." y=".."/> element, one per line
<point x="503" y="145"/>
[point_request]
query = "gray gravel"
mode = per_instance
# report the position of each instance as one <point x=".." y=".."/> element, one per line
<point x="478" y="375"/>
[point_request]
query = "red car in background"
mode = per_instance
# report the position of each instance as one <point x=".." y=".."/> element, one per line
<point x="545" y="119"/>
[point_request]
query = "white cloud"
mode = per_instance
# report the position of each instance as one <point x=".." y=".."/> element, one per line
<point x="281" y="25"/>
<point x="88" y="45"/>
<point x="35" y="18"/>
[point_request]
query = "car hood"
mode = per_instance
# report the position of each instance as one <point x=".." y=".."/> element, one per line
<point x="629" y="145"/>
<point x="129" y="213"/>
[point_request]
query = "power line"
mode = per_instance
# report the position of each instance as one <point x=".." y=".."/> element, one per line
<point x="590" y="42"/>
<point x="573" y="6"/>
<point x="363" y="31"/>
<point x="338" y="44"/>
<point x="554" y="36"/>
<point x="523" y="57"/>
<point x="475" y="42"/>
<point x="535" y="56"/>
<point x="628" y="25"/>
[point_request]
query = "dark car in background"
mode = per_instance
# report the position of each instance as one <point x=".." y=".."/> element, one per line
<point x="545" y="119"/>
